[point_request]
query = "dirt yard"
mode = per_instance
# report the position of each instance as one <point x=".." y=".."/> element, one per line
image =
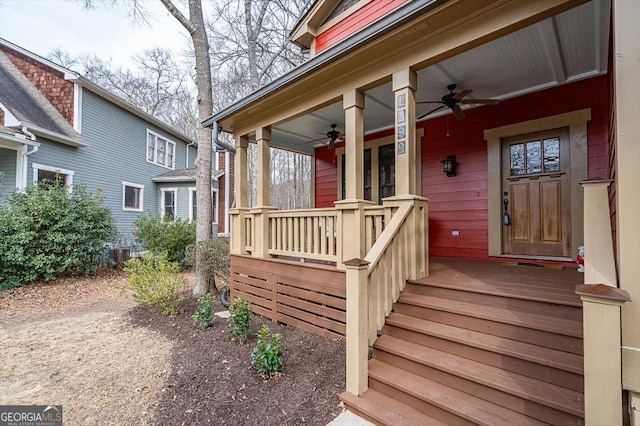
<point x="76" y="342"/>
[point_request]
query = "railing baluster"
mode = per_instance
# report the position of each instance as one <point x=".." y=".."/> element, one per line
<point x="296" y="234"/>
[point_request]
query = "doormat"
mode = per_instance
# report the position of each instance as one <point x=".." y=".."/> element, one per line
<point x="532" y="265"/>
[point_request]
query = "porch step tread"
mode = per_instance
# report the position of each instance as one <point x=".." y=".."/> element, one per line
<point x="527" y="388"/>
<point x="522" y="319"/>
<point x="501" y="345"/>
<point x="515" y="291"/>
<point x="459" y="403"/>
<point x="382" y="409"/>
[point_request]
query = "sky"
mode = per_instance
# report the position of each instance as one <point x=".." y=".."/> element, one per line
<point x="109" y="32"/>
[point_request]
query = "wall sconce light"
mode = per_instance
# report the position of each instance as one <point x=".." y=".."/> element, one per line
<point x="449" y="165"/>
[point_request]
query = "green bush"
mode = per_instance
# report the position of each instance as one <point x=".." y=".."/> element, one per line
<point x="203" y="316"/>
<point x="267" y="355"/>
<point x="240" y="315"/>
<point x="216" y="258"/>
<point x="154" y="281"/>
<point x="166" y="236"/>
<point x="48" y="231"/>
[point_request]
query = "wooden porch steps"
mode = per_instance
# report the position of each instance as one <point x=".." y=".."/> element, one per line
<point x="482" y="353"/>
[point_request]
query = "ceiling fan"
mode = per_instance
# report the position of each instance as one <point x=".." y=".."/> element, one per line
<point x="333" y="135"/>
<point x="453" y="100"/>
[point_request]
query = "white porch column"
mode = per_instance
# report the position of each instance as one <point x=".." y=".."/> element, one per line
<point x="404" y="89"/>
<point x="626" y="57"/>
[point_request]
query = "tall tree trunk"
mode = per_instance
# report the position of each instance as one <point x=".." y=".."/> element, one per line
<point x="195" y="26"/>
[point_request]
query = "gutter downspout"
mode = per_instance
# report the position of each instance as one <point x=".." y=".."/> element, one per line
<point x="227" y="184"/>
<point x="25" y="155"/>
<point x="186" y="164"/>
<point x="227" y="181"/>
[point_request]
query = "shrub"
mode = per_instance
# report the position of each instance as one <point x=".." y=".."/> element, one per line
<point x="240" y="315"/>
<point x="164" y="236"/>
<point x="48" y="231"/>
<point x="155" y="281"/>
<point x="216" y="258"/>
<point x="203" y="315"/>
<point x="267" y="355"/>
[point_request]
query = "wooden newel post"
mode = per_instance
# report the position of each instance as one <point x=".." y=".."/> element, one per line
<point x="601" y="306"/>
<point x="357" y="312"/>
<point x="261" y="231"/>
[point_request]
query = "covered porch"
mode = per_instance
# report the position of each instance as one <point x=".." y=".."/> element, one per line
<point x="379" y="223"/>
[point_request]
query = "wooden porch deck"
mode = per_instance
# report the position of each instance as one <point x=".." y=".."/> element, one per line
<point x="519" y="280"/>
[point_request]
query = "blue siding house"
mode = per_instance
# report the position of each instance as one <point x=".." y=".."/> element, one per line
<point x="54" y="123"/>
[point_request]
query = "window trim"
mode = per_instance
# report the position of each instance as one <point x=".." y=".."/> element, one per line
<point x="68" y="173"/>
<point x="133" y="185"/>
<point x="162" y="201"/>
<point x="168" y="142"/>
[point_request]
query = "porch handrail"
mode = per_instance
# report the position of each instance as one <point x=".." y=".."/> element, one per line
<point x="375" y="282"/>
<point x="306" y="234"/>
<point x="388" y="269"/>
<point x="375" y="218"/>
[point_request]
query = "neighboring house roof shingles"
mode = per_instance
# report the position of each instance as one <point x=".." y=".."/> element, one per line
<point x="29" y="106"/>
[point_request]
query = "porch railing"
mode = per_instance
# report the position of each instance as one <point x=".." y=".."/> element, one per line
<point x="305" y="234"/>
<point x="374" y="283"/>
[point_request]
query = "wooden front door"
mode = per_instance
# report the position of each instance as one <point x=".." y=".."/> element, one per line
<point x="536" y="194"/>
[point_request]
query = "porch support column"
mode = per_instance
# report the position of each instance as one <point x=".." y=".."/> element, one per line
<point x="602" y="357"/>
<point x="404" y="89"/>
<point x="263" y="199"/>
<point x="626" y="66"/>
<point x="241" y="184"/>
<point x="353" y="104"/>
<point x="350" y="211"/>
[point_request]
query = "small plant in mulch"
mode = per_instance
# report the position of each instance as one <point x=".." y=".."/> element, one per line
<point x="240" y="315"/>
<point x="267" y="355"/>
<point x="154" y="281"/>
<point x="203" y="316"/>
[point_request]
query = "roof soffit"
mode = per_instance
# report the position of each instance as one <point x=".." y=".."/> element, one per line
<point x="441" y="33"/>
<point x="305" y="31"/>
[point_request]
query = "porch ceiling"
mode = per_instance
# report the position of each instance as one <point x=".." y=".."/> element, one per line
<point x="567" y="47"/>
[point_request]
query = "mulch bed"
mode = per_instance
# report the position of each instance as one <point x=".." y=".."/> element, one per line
<point x="212" y="380"/>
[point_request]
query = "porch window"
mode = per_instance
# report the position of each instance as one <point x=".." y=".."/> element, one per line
<point x="387" y="174"/>
<point x="367" y="175"/>
<point x="160" y="151"/>
<point x="132" y="196"/>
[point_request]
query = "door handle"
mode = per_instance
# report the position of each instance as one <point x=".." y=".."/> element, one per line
<point x="506" y="219"/>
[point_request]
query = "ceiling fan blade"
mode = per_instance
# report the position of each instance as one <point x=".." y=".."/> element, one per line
<point x="317" y="140"/>
<point x="457" y="111"/>
<point x="429" y="102"/>
<point x="481" y="101"/>
<point x="462" y="94"/>
<point x="430" y="112"/>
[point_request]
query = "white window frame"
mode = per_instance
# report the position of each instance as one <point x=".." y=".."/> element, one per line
<point x="132" y="185"/>
<point x="214" y="199"/>
<point x="175" y="201"/>
<point x="167" y="142"/>
<point x="68" y="181"/>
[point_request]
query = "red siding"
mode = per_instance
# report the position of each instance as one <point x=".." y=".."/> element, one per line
<point x="49" y="82"/>
<point x="460" y="203"/>
<point x="355" y="22"/>
<point x="326" y="178"/>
